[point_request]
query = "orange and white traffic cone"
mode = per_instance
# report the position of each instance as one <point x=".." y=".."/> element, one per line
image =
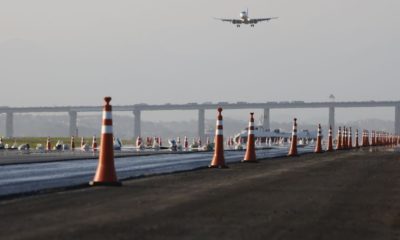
<point x="344" y="138"/>
<point x="250" y="155"/>
<point x="138" y="142"/>
<point x="94" y="144"/>
<point x="339" y="140"/>
<point x="350" y="142"/>
<point x="218" y="160"/>
<point x="48" y="144"/>
<point x="106" y="174"/>
<point x="367" y="138"/>
<point x="293" y="141"/>
<point x="356" y="139"/>
<point x="330" y="140"/>
<point x="363" y="144"/>
<point x="186" y="143"/>
<point x="373" y="142"/>
<point x="318" y="146"/>
<point x="72" y="143"/>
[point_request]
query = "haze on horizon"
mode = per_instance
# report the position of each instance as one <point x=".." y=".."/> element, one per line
<point x="75" y="52"/>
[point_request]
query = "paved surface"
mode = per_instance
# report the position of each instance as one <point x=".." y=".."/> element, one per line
<point x="18" y="179"/>
<point x="11" y="157"/>
<point x="341" y="195"/>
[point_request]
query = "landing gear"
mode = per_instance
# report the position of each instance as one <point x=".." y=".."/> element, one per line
<point x="238" y="25"/>
<point x="252" y="25"/>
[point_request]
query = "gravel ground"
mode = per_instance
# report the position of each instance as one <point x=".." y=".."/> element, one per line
<point x="340" y="195"/>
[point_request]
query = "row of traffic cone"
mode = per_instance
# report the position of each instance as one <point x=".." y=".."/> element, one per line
<point x="72" y="144"/>
<point x="106" y="174"/>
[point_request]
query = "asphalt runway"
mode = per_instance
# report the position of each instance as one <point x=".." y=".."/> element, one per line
<point x="340" y="195"/>
<point x="54" y="172"/>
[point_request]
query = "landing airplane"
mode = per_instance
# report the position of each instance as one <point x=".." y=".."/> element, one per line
<point x="244" y="19"/>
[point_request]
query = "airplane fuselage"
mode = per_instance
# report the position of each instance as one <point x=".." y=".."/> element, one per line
<point x="244" y="17"/>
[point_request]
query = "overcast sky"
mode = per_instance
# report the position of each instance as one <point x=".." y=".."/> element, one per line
<point x="151" y="51"/>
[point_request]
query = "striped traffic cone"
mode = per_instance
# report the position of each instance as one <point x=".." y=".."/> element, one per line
<point x="218" y="160"/>
<point x="350" y="142"/>
<point x="72" y="143"/>
<point x="318" y="146"/>
<point x="105" y="174"/>
<point x="330" y="140"/>
<point x="363" y="139"/>
<point x="138" y="142"/>
<point x="344" y="138"/>
<point x="373" y="142"/>
<point x="356" y="139"/>
<point x="228" y="142"/>
<point x="48" y="144"/>
<point x="250" y="155"/>
<point x="293" y="141"/>
<point x="186" y="143"/>
<point x="339" y="140"/>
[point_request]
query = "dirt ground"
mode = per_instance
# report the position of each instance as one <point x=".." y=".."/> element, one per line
<point x="340" y="195"/>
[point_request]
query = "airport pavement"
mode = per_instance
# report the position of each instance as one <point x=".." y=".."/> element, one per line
<point x="23" y="157"/>
<point x="340" y="195"/>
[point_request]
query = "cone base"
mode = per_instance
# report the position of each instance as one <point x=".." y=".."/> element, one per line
<point x="249" y="161"/>
<point x="218" y="166"/>
<point x="110" y="184"/>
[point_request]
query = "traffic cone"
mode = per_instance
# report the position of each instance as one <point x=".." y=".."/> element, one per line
<point x="105" y="174"/>
<point x="138" y="142"/>
<point x="48" y="144"/>
<point x="72" y="143"/>
<point x="344" y="138"/>
<point x="186" y="143"/>
<point x="367" y="138"/>
<point x="293" y="141"/>
<point x="356" y="138"/>
<point x="228" y="142"/>
<point x="339" y="140"/>
<point x="250" y="155"/>
<point x="318" y="146"/>
<point x="373" y="142"/>
<point x="94" y="144"/>
<point x="218" y="160"/>
<point x="363" y="144"/>
<point x="330" y="140"/>
<point x="350" y="142"/>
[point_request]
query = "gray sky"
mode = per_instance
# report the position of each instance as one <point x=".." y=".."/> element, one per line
<point x="75" y="52"/>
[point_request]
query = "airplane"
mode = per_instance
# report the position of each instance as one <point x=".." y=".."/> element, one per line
<point x="244" y="19"/>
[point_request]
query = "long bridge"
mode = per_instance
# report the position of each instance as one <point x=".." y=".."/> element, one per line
<point x="136" y="109"/>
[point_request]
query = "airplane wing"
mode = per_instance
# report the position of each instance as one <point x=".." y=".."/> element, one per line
<point x="256" y="20"/>
<point x="234" y="21"/>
